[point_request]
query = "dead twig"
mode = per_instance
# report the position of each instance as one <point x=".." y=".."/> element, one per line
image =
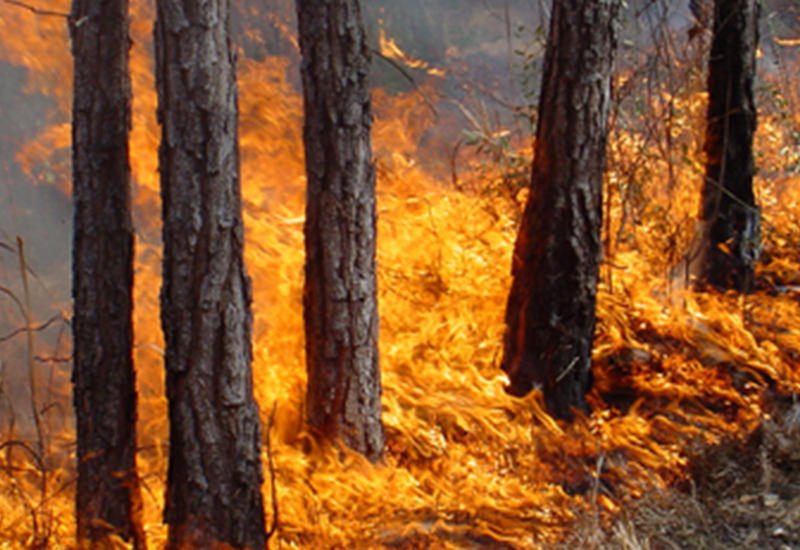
<point x="7" y="292"/>
<point x="39" y="328"/>
<point x="30" y="347"/>
<point x="271" y="468"/>
<point x="37" y="11"/>
<point x="37" y="458"/>
<point x="12" y="416"/>
<point x="410" y="78"/>
<point x="35" y="511"/>
<point x="53" y="359"/>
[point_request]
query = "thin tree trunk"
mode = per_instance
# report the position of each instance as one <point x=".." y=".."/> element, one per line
<point x="215" y="473"/>
<point x="731" y="240"/>
<point x="107" y="497"/>
<point x="550" y="315"/>
<point x="340" y="299"/>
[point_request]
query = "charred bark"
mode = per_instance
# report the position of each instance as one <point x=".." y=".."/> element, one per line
<point x="104" y="393"/>
<point x="340" y="299"/>
<point x="214" y="476"/>
<point x="550" y="315"/>
<point x="730" y="219"/>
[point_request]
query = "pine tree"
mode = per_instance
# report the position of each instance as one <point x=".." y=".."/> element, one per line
<point x="730" y="218"/>
<point x="550" y="314"/>
<point x="215" y="473"/>
<point x="340" y="297"/>
<point x="107" y="492"/>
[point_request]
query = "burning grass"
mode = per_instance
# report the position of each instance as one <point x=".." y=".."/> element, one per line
<point x="468" y="466"/>
<point x="742" y="493"/>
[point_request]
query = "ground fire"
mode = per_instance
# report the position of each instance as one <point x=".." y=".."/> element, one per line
<point x="466" y="465"/>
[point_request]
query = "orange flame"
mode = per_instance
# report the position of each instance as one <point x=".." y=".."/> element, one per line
<point x="465" y="461"/>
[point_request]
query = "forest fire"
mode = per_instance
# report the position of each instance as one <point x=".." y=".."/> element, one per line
<point x="466" y="465"/>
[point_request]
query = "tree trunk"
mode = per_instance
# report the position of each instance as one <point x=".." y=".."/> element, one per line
<point x="550" y="315"/>
<point x="340" y="299"/>
<point x="215" y="474"/>
<point x="730" y="219"/>
<point x="107" y="497"/>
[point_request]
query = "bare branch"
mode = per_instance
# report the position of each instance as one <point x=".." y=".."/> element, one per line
<point x="41" y="327"/>
<point x="53" y="359"/>
<point x="22" y="445"/>
<point x="31" y="353"/>
<point x="410" y="78"/>
<point x="10" y="294"/>
<point x="271" y="468"/>
<point x="36" y="10"/>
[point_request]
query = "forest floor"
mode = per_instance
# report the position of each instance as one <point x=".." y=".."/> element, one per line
<point x="743" y="493"/>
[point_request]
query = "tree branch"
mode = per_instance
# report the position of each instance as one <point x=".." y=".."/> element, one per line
<point x="408" y="77"/>
<point x="36" y="10"/>
<point x="39" y="328"/>
<point x="271" y="468"/>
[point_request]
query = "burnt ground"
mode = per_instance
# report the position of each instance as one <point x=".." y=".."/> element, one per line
<point x="743" y="493"/>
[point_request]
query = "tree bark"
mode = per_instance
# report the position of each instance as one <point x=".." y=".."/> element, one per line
<point x="340" y="298"/>
<point x="730" y="219"/>
<point x="550" y="315"/>
<point x="215" y="473"/>
<point x="104" y="394"/>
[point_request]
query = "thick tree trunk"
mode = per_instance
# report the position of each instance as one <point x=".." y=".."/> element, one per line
<point x="730" y="219"/>
<point x="215" y="474"/>
<point x="107" y="497"/>
<point x="550" y="314"/>
<point x="340" y="299"/>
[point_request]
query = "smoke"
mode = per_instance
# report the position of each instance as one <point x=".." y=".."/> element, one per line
<point x="34" y="209"/>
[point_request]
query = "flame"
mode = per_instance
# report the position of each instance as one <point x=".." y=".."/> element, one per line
<point x="787" y="41"/>
<point x="391" y="50"/>
<point x="466" y="463"/>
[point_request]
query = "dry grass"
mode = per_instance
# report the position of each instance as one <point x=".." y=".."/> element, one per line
<point x="743" y="493"/>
